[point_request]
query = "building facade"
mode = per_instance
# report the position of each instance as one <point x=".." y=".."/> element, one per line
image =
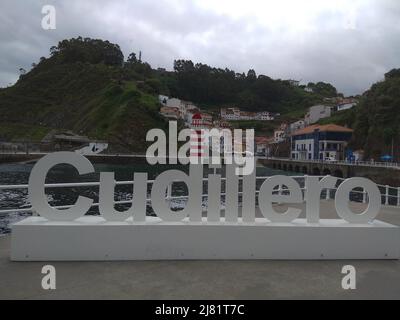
<point x="279" y="136"/>
<point x="317" y="113"/>
<point x="346" y="104"/>
<point x="325" y="142"/>
<point x="296" y="126"/>
<point x="261" y="144"/>
<point x="234" y="114"/>
<point x="163" y="99"/>
<point x="171" y="113"/>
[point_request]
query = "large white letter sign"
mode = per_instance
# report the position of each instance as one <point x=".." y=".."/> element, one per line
<point x="249" y="196"/>
<point x="314" y="186"/>
<point x="194" y="184"/>
<point x="157" y="152"/>
<point x="342" y="200"/>
<point x="214" y="198"/>
<point x="106" y="198"/>
<point x="231" y="194"/>
<point x="37" y="179"/>
<point x="187" y="234"/>
<point x="266" y="198"/>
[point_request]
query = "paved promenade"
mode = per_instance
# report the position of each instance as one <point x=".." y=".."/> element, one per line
<point x="203" y="279"/>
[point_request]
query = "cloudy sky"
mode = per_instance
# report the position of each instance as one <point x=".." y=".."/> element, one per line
<point x="350" y="43"/>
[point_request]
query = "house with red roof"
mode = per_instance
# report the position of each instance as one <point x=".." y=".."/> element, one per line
<point x="320" y="142"/>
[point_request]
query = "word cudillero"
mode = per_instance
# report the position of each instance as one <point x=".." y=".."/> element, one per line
<point x="193" y="210"/>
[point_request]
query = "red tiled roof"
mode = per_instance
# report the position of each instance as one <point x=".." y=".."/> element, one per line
<point x="197" y="116"/>
<point x="261" y="139"/>
<point x="322" y="128"/>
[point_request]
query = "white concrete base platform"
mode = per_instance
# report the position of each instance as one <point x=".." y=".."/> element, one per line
<point x="93" y="239"/>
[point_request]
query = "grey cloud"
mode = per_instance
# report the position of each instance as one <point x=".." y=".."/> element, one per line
<point x="169" y="29"/>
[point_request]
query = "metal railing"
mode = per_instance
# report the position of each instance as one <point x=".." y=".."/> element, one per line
<point x="390" y="195"/>
<point x="395" y="165"/>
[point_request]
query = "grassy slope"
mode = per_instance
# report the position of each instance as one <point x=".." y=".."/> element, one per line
<point x="82" y="97"/>
<point x="342" y="118"/>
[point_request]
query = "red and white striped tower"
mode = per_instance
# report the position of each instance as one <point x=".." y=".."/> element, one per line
<point x="199" y="141"/>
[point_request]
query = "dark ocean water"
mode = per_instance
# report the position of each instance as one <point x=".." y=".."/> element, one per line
<point x="11" y="174"/>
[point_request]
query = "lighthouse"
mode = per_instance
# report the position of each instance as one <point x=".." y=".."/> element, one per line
<point x="199" y="143"/>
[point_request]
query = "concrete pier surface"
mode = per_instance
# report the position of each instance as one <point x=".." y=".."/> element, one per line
<point x="204" y="279"/>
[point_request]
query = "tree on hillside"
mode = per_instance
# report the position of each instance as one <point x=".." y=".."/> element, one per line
<point x="378" y="117"/>
<point x="394" y="73"/>
<point x="88" y="50"/>
<point x="132" y="58"/>
<point x="324" y="89"/>
<point x="201" y="83"/>
<point x="251" y="75"/>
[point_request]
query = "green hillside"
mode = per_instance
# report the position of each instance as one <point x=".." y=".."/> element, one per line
<point x="87" y="97"/>
<point x="376" y="120"/>
<point x="210" y="86"/>
<point x="378" y="117"/>
<point x="87" y="87"/>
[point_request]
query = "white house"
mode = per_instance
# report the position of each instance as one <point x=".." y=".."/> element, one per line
<point x="234" y="114"/>
<point x="265" y="116"/>
<point x="183" y="106"/>
<point x="231" y="114"/>
<point x="346" y="104"/>
<point x="177" y="103"/>
<point x="261" y="145"/>
<point x="174" y="103"/>
<point x="189" y="106"/>
<point x="163" y="99"/>
<point x="317" y="113"/>
<point x="172" y="113"/>
<point x="93" y="148"/>
<point x="294" y="83"/>
<point x="295" y="126"/>
<point x="279" y="136"/>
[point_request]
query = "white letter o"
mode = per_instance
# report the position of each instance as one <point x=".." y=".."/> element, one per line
<point x="342" y="196"/>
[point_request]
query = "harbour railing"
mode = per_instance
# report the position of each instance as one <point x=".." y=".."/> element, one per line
<point x="390" y="195"/>
<point x="380" y="164"/>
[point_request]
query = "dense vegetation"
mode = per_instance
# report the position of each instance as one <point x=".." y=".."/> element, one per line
<point x="323" y="89"/>
<point x="378" y="117"/>
<point x="213" y="86"/>
<point x="81" y="87"/>
<point x="86" y="86"/>
<point x="88" y="50"/>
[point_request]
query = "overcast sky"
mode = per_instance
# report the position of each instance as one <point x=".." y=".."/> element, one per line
<point x="350" y="43"/>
